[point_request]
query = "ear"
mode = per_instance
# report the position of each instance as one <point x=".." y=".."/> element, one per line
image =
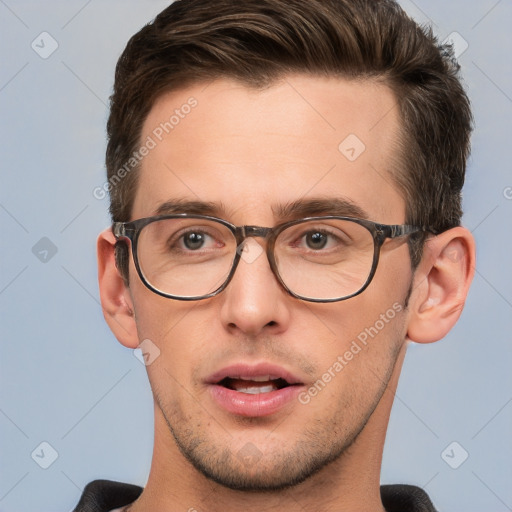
<point x="115" y="296"/>
<point x="441" y="284"/>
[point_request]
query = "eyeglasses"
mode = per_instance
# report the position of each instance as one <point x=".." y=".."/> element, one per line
<point x="316" y="259"/>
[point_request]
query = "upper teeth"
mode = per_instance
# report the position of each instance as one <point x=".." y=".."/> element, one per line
<point x="261" y="378"/>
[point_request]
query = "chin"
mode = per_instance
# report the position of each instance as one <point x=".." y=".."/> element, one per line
<point x="248" y="469"/>
<point x="259" y="476"/>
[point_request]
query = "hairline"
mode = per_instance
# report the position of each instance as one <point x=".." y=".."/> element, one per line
<point x="399" y="141"/>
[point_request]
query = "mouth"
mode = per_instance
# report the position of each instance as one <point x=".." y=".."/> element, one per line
<point x="253" y="390"/>
<point x="254" y="385"/>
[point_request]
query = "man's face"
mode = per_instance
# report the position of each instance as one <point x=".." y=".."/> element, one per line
<point x="250" y="152"/>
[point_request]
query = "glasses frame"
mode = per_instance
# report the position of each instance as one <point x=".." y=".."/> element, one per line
<point x="380" y="233"/>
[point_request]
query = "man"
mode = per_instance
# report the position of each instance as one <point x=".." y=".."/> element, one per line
<point x="285" y="186"/>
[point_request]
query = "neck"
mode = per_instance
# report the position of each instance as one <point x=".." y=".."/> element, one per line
<point x="351" y="482"/>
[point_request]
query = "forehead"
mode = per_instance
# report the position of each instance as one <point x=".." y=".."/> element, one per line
<point x="252" y="151"/>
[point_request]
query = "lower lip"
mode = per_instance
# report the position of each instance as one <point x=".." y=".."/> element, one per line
<point x="245" y="404"/>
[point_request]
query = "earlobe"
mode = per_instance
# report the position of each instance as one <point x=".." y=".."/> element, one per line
<point x="115" y="297"/>
<point x="441" y="284"/>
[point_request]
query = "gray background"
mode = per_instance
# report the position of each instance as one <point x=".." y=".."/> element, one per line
<point x="64" y="378"/>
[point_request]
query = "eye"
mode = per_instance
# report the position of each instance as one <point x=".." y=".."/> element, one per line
<point x="194" y="240"/>
<point x="318" y="239"/>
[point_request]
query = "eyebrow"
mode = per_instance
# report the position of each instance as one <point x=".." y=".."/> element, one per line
<point x="300" y="208"/>
<point x="342" y="207"/>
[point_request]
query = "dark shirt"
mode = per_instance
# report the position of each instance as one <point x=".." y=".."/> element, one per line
<point x="105" y="495"/>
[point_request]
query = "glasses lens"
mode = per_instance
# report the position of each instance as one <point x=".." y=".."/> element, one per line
<point x="324" y="259"/>
<point x="186" y="257"/>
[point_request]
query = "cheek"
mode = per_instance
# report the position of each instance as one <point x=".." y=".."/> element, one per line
<point x="154" y="315"/>
<point x="178" y="330"/>
<point x="366" y="357"/>
<point x="163" y="327"/>
<point x="363" y="334"/>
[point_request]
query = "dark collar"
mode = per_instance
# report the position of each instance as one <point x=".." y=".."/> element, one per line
<point x="106" y="495"/>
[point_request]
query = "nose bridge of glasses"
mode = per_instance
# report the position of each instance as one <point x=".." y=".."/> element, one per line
<point x="245" y="232"/>
<point x="248" y="231"/>
<point x="254" y="231"/>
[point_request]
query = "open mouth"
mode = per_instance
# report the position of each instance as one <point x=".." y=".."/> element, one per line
<point x="254" y="385"/>
<point x="253" y="390"/>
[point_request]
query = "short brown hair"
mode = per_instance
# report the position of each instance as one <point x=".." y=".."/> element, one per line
<point x="259" y="41"/>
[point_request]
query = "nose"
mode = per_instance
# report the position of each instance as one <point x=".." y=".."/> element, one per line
<point x="254" y="301"/>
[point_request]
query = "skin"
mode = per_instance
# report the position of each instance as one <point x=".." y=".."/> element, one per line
<point x="324" y="455"/>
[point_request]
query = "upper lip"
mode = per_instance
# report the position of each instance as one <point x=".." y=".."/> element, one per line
<point x="247" y="371"/>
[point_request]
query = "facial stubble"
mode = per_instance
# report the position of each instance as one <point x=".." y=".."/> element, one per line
<point x="278" y="465"/>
